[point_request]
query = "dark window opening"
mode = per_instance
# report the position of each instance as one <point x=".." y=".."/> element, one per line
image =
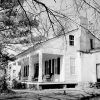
<point x="36" y="67"/>
<point x="71" y="40"/>
<point x="46" y="67"/>
<point x="58" y="65"/>
<point x="52" y="66"/>
<point x="91" y="43"/>
<point x="49" y="66"/>
<point x="26" y="71"/>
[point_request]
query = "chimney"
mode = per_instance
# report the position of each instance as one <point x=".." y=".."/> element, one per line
<point x="84" y="22"/>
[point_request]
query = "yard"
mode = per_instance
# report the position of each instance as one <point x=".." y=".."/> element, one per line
<point x="51" y="94"/>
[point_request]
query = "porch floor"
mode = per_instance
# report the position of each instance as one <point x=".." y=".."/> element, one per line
<point x="49" y="85"/>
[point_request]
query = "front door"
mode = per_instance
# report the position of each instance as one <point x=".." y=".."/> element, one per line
<point x="98" y="72"/>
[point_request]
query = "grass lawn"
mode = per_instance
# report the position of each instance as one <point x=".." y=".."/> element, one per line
<point x="45" y="95"/>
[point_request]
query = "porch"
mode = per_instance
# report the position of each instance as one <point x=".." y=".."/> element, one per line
<point x="43" y="68"/>
<point x="49" y="85"/>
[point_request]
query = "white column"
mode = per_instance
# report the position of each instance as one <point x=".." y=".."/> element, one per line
<point x="40" y="67"/>
<point x="22" y="69"/>
<point x="17" y="70"/>
<point x="30" y="68"/>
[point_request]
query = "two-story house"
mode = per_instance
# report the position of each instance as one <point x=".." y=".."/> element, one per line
<point x="67" y="60"/>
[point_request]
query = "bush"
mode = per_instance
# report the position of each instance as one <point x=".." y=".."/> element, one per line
<point x="3" y="84"/>
<point x="18" y="85"/>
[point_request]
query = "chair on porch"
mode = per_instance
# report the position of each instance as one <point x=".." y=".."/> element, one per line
<point x="48" y="78"/>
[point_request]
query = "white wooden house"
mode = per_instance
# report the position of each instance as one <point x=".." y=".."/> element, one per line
<point x="68" y="59"/>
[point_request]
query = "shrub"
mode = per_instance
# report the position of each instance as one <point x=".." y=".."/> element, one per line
<point x="3" y="84"/>
<point x="18" y="85"/>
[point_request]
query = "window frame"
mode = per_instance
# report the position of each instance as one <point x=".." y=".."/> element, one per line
<point x="71" y="40"/>
<point x="52" y="66"/>
<point x="26" y="71"/>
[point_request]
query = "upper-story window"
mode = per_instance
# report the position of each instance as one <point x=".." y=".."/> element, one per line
<point x="71" y="40"/>
<point x="91" y="43"/>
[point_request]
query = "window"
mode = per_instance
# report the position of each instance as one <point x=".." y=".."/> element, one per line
<point x="52" y="66"/>
<point x="71" y="40"/>
<point x="46" y="67"/>
<point x="26" y="70"/>
<point x="58" y="65"/>
<point x="72" y="66"/>
<point x="36" y="70"/>
<point x="91" y="43"/>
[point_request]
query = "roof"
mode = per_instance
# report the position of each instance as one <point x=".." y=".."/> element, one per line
<point x="38" y="45"/>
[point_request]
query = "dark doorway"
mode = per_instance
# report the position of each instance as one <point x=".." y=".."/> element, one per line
<point x="98" y="72"/>
<point x="91" y="43"/>
<point x="36" y="70"/>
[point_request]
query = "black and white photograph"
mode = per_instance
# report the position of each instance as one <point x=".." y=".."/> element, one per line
<point x="49" y="49"/>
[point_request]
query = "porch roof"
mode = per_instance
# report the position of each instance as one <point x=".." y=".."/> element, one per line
<point x="39" y="44"/>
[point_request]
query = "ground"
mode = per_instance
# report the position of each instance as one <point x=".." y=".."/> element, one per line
<point x="52" y="94"/>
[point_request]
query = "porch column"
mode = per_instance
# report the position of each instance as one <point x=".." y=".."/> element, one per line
<point x="22" y="69"/>
<point x="30" y="68"/>
<point x="40" y="67"/>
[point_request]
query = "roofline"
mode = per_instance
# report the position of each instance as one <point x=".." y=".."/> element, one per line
<point x="39" y="43"/>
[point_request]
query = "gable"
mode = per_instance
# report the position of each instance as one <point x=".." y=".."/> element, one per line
<point x="85" y="41"/>
<point x="55" y="43"/>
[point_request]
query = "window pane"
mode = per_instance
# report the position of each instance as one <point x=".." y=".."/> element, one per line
<point x="71" y="40"/>
<point x="71" y="37"/>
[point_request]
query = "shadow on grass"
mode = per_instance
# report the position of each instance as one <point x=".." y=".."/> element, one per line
<point x="14" y="97"/>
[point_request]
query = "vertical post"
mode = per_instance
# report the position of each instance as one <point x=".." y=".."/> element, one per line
<point x="22" y="69"/>
<point x="40" y="67"/>
<point x="30" y="68"/>
<point x="17" y="76"/>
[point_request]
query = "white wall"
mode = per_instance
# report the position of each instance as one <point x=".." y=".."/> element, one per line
<point x="34" y="59"/>
<point x="88" y="69"/>
<point x="14" y="71"/>
<point x="72" y="51"/>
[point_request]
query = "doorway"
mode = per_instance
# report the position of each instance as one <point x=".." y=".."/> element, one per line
<point x="36" y="71"/>
<point x="98" y="72"/>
